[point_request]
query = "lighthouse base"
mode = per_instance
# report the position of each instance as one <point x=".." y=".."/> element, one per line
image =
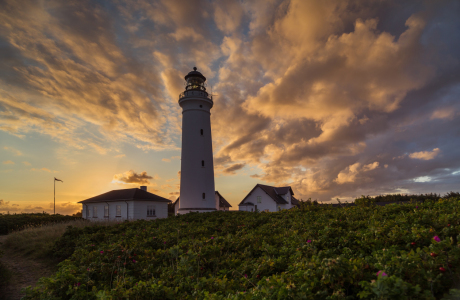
<point x="200" y="210"/>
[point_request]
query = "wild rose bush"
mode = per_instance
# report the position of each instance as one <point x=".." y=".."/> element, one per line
<point x="408" y="251"/>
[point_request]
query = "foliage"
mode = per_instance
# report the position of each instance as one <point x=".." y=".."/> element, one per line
<point x="14" y="222"/>
<point x="77" y="214"/>
<point x="318" y="252"/>
<point x="5" y="273"/>
<point x="367" y="200"/>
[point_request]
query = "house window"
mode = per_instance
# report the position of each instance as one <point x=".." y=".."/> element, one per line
<point x="259" y="199"/>
<point x="201" y="131"/>
<point x="202" y="163"/>
<point x="151" y="211"/>
<point x="118" y="210"/>
<point x="94" y="211"/>
<point x="204" y="195"/>
<point x="87" y="211"/>
<point x="106" y="211"/>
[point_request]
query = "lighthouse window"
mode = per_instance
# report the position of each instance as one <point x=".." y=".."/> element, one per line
<point x="204" y="195"/>
<point x="202" y="163"/>
<point x="201" y="131"/>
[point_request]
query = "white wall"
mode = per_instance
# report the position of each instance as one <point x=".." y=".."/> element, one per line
<point x="196" y="179"/>
<point x="266" y="202"/>
<point x="132" y="210"/>
<point x="140" y="210"/>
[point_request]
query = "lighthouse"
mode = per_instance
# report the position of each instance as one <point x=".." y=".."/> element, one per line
<point x="197" y="193"/>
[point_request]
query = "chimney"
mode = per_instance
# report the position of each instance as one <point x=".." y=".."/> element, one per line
<point x="143" y="187"/>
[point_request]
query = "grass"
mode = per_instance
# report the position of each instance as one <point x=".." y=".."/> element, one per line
<point x="36" y="242"/>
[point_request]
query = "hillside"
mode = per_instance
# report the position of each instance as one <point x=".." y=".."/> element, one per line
<point x="318" y="252"/>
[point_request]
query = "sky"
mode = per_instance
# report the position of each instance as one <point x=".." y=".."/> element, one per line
<point x="336" y="99"/>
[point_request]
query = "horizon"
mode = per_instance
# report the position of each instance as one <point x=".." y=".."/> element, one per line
<point x="336" y="100"/>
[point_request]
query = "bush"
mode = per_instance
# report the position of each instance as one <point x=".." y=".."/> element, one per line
<point x="15" y="222"/>
<point x="317" y="253"/>
<point x="5" y="273"/>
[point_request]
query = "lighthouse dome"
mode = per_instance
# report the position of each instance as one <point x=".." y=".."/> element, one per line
<point x="195" y="81"/>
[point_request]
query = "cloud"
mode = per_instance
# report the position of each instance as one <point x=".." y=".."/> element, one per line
<point x="26" y="163"/>
<point x="351" y="173"/>
<point x="79" y="78"/>
<point x="233" y="168"/>
<point x="171" y="158"/>
<point x="133" y="177"/>
<point x="12" y="150"/>
<point x="303" y="90"/>
<point x="444" y="113"/>
<point x="425" y="155"/>
<point x="44" y="170"/>
<point x="8" y="162"/>
<point x="120" y="156"/>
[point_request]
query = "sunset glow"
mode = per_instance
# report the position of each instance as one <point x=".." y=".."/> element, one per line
<point x="336" y="99"/>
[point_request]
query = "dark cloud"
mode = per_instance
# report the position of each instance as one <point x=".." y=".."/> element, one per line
<point x="233" y="168"/>
<point x="133" y="177"/>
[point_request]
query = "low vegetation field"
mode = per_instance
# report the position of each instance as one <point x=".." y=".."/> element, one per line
<point x="407" y="251"/>
<point x="15" y="222"/>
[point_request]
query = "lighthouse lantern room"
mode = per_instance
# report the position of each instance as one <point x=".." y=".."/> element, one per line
<point x="197" y="190"/>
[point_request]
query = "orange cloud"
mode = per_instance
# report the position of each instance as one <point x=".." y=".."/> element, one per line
<point x="133" y="177"/>
<point x="425" y="155"/>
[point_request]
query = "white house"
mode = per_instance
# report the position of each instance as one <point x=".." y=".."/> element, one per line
<point x="268" y="198"/>
<point x="126" y="204"/>
<point x="221" y="203"/>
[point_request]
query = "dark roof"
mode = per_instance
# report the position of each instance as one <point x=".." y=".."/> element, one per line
<point x="274" y="192"/>
<point x="283" y="190"/>
<point x="294" y="201"/>
<point x="194" y="73"/>
<point x="126" y="195"/>
<point x="222" y="201"/>
<point x="246" y="204"/>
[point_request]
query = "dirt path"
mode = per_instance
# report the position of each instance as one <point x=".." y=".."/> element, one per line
<point x="26" y="272"/>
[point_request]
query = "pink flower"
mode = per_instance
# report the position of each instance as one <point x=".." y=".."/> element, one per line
<point x="134" y="261"/>
<point x="308" y="241"/>
<point x="102" y="252"/>
<point x="381" y="273"/>
<point x="165" y="243"/>
<point x="212" y="238"/>
<point x="245" y="275"/>
<point x="436" y="238"/>
<point x="87" y="269"/>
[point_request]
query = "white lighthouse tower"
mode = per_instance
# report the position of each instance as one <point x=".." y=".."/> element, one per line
<point x="197" y="192"/>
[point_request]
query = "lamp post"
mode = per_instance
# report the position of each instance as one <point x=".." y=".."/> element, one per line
<point x="55" y="179"/>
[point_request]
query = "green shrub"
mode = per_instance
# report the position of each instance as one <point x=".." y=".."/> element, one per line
<point x="317" y="253"/>
<point x="5" y="273"/>
<point x="15" y="222"/>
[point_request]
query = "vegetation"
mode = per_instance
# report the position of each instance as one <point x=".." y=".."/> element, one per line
<point x="15" y="222"/>
<point x="5" y="274"/>
<point x="408" y="251"/>
<point x="367" y="200"/>
<point x="39" y="242"/>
